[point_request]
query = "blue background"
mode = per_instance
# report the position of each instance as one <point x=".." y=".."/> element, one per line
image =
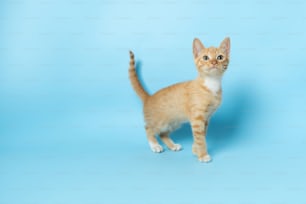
<point x="71" y="127"/>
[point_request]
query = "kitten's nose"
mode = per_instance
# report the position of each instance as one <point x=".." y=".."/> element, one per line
<point x="214" y="62"/>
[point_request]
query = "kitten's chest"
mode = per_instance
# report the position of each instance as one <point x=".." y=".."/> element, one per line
<point x="212" y="98"/>
<point x="213" y="105"/>
<point x="213" y="84"/>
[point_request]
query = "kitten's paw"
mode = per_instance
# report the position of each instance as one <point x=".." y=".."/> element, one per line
<point x="176" y="147"/>
<point x="205" y="158"/>
<point x="156" y="148"/>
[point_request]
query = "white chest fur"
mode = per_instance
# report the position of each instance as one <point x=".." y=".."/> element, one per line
<point x="213" y="84"/>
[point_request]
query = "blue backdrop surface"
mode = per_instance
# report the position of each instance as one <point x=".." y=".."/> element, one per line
<point x="71" y="127"/>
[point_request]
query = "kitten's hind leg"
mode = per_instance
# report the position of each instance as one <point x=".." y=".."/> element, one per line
<point x="154" y="145"/>
<point x="169" y="142"/>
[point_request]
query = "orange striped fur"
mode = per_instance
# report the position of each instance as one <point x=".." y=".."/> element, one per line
<point x="134" y="80"/>
<point x="192" y="101"/>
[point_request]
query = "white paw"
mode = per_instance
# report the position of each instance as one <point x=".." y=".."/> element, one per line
<point x="205" y="158"/>
<point x="156" y="148"/>
<point x="176" y="147"/>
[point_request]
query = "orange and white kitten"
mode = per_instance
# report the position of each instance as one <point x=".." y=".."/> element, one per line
<point x="194" y="101"/>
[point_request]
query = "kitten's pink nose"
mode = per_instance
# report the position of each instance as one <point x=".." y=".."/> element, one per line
<point x="214" y="62"/>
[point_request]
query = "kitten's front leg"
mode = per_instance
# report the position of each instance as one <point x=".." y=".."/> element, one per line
<point x="199" y="128"/>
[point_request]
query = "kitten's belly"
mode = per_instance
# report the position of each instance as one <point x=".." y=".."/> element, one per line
<point x="173" y="125"/>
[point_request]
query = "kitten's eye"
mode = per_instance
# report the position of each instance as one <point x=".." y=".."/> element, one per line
<point x="220" y="57"/>
<point x="205" y="57"/>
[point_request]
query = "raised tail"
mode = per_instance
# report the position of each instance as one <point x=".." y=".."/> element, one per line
<point x="135" y="81"/>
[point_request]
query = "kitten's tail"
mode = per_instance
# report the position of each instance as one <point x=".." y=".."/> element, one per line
<point x="135" y="81"/>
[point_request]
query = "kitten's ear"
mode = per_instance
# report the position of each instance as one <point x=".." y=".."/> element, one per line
<point x="197" y="47"/>
<point x="225" y="46"/>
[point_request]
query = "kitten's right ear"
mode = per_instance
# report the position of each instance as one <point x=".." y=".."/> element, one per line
<point x="197" y="47"/>
<point x="225" y="46"/>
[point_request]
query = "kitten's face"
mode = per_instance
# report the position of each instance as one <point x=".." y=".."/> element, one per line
<point x="211" y="61"/>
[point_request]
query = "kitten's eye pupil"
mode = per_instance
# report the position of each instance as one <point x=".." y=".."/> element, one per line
<point x="220" y="57"/>
<point x="205" y="57"/>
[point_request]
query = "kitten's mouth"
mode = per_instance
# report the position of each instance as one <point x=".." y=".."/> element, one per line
<point x="211" y="69"/>
<point x="214" y="70"/>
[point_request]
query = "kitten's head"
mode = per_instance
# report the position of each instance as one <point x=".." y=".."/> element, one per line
<point x="211" y="61"/>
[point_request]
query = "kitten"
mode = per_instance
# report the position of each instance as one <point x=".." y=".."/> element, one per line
<point x="194" y="101"/>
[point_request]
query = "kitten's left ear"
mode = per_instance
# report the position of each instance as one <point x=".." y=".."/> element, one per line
<point x="225" y="46"/>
